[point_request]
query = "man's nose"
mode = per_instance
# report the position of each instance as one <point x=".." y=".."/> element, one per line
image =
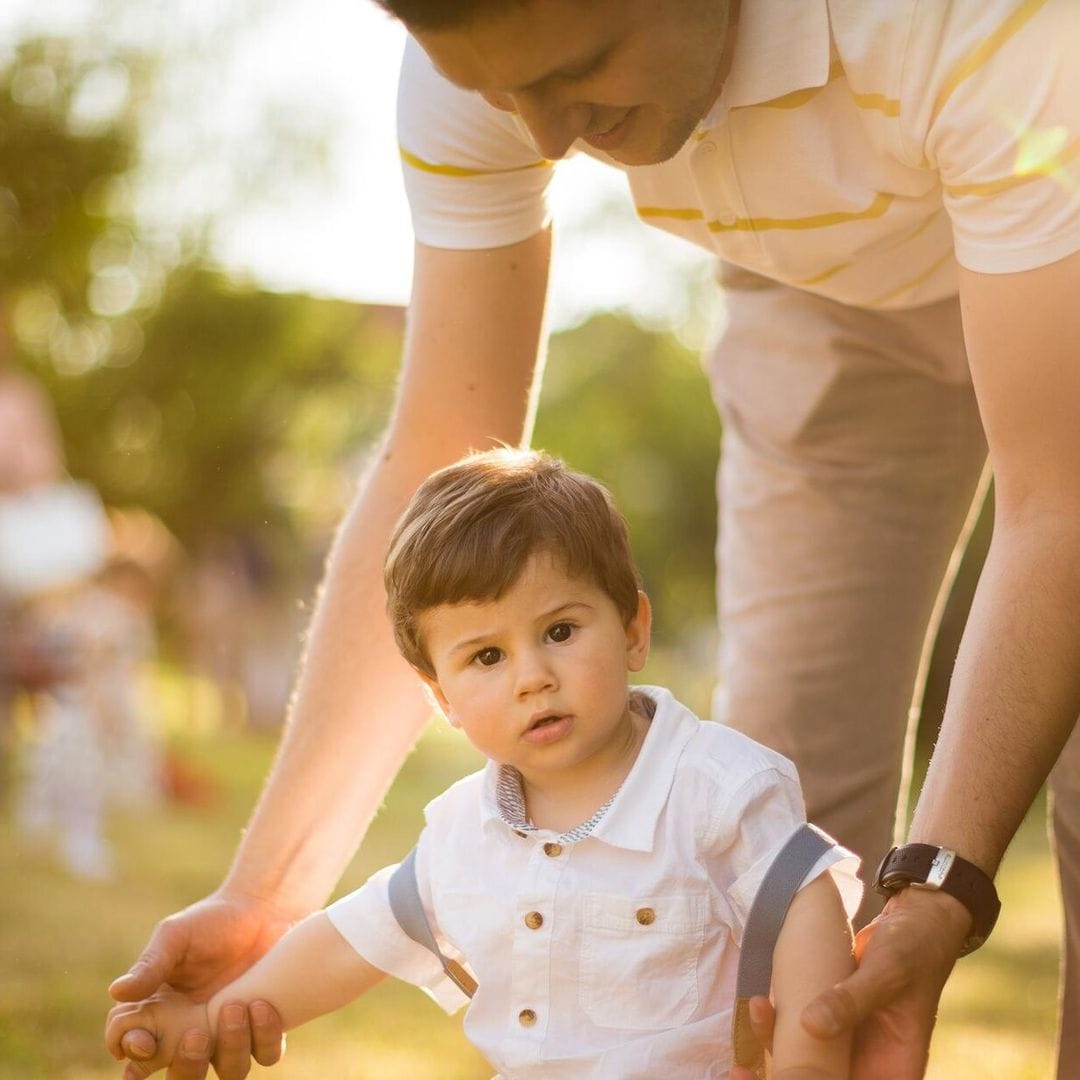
<point x="553" y="125"/>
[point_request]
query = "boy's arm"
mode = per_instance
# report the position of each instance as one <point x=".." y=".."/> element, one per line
<point x="813" y="953"/>
<point x="311" y="971"/>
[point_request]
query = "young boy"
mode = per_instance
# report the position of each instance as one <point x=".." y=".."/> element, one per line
<point x="596" y="876"/>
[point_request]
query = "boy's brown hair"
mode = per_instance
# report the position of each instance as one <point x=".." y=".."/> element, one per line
<point x="470" y="529"/>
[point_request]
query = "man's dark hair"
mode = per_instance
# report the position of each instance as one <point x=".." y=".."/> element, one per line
<point x="443" y="14"/>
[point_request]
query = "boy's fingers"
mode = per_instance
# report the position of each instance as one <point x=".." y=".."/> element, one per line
<point x="267" y="1037"/>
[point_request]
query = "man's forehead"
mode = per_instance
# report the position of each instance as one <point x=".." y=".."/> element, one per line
<point x="521" y="45"/>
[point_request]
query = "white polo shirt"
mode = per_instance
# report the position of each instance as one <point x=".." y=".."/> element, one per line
<point x="859" y="149"/>
<point x="614" y="955"/>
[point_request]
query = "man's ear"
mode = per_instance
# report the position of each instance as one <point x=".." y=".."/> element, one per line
<point x="435" y="691"/>
<point x="639" y="634"/>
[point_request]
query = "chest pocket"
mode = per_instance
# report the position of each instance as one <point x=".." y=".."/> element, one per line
<point x="639" y="958"/>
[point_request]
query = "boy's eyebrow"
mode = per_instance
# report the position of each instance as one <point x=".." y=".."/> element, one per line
<point x="544" y="616"/>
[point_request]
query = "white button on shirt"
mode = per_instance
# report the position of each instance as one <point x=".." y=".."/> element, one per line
<point x="611" y="956"/>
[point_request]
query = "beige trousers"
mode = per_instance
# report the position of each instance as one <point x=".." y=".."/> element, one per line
<point x="852" y="450"/>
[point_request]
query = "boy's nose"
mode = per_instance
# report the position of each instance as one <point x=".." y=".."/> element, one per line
<point x="534" y="674"/>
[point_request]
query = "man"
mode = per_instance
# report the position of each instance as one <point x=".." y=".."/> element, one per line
<point x="870" y="173"/>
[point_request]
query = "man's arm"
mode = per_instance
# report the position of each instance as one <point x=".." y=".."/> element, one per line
<point x="471" y="361"/>
<point x="1015" y="692"/>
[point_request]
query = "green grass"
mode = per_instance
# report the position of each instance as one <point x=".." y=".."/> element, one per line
<point x="61" y="942"/>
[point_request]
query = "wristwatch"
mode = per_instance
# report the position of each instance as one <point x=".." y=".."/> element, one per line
<point x="923" y="866"/>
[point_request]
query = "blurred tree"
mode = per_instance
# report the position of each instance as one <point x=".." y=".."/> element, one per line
<point x="631" y="406"/>
<point x="240" y="412"/>
<point x="66" y="253"/>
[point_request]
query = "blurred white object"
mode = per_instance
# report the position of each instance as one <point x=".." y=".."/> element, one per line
<point x="50" y="536"/>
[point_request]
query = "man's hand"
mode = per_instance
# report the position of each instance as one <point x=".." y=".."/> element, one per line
<point x="199" y="950"/>
<point x="890" y="1001"/>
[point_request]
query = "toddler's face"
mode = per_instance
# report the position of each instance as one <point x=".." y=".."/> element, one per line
<point x="538" y="678"/>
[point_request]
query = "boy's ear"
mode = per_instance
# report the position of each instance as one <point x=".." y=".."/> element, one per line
<point x="439" y="698"/>
<point x="639" y="634"/>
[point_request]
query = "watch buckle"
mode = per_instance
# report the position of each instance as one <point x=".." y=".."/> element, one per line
<point x="938" y="872"/>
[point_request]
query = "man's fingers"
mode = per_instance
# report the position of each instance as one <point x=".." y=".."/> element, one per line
<point x="192" y="1058"/>
<point x="153" y="967"/>
<point x="138" y="1044"/>
<point x="267" y="1037"/>
<point x="762" y="1020"/>
<point x="232" y="1059"/>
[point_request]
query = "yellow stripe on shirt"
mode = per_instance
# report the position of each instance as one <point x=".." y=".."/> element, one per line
<point x="882" y="201"/>
<point x="798" y="98"/>
<point x="914" y="282"/>
<point x="878" y="102"/>
<point x="978" y="56"/>
<point x="1052" y="167"/>
<point x="456" y="170"/>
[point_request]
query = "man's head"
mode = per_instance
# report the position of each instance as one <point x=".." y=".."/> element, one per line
<point x="472" y="528"/>
<point x="631" y="77"/>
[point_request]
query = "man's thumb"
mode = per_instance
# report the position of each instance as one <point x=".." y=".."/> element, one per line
<point x="844" y="1006"/>
<point x="153" y="967"/>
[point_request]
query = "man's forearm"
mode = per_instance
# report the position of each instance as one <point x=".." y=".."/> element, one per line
<point x="1015" y="691"/>
<point x="470" y="365"/>
<point x="356" y="713"/>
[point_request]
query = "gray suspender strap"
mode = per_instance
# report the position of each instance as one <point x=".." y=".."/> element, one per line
<point x="783" y="878"/>
<point x="775" y="893"/>
<point x="409" y="912"/>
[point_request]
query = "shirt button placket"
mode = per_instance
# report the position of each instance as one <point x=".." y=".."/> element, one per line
<point x="532" y="961"/>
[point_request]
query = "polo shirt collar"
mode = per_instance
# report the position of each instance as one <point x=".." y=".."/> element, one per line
<point x="631" y="820"/>
<point x="782" y="46"/>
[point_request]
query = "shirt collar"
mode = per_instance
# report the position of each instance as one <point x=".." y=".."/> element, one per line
<point x="630" y="822"/>
<point x="782" y="46"/>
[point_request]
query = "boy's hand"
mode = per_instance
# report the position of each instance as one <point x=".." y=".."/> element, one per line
<point x="199" y="950"/>
<point x="165" y="1018"/>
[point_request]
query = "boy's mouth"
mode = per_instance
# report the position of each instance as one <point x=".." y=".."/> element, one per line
<point x="547" y="727"/>
<point x="543" y="721"/>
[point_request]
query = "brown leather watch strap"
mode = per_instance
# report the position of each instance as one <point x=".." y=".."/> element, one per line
<point x="924" y="866"/>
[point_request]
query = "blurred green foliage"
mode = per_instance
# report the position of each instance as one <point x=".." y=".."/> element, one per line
<point x="230" y="411"/>
<point x="631" y="406"/>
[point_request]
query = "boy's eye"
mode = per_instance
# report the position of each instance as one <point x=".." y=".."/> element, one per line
<point x="488" y="657"/>
<point x="562" y="631"/>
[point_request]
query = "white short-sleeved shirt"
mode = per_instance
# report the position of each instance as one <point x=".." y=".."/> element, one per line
<point x="859" y="149"/>
<point x="595" y="987"/>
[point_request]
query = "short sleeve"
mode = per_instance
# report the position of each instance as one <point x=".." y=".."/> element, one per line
<point x="472" y="177"/>
<point x="993" y="104"/>
<point x="755" y="823"/>
<point x="364" y="918"/>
